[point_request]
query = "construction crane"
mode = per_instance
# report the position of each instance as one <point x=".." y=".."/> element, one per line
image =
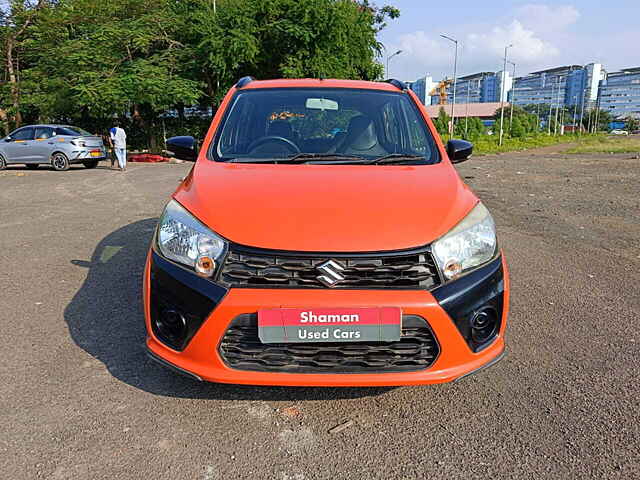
<point x="441" y="91"/>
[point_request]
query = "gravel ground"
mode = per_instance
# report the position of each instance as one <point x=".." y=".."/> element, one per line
<point x="79" y="399"/>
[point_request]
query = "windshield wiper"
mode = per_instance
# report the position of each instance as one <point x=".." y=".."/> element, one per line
<point x="395" y="158"/>
<point x="305" y="158"/>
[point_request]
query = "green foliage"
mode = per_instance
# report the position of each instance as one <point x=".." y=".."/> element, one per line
<point x="602" y="117"/>
<point x="469" y="128"/>
<point x="442" y="122"/>
<point x="489" y="143"/>
<point x="85" y="62"/>
<point x="606" y="144"/>
<point x="632" y="123"/>
<point x="517" y="128"/>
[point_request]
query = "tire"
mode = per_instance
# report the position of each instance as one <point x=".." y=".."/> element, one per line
<point x="31" y="166"/>
<point x="91" y="164"/>
<point x="3" y="163"/>
<point x="59" y="162"/>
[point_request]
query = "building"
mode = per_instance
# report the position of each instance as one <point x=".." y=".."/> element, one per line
<point x="620" y="93"/>
<point x="482" y="87"/>
<point x="570" y="86"/>
<point x="422" y="88"/>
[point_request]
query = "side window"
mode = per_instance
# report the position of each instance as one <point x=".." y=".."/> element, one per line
<point x="42" y="133"/>
<point x="23" y="134"/>
<point x="67" y="131"/>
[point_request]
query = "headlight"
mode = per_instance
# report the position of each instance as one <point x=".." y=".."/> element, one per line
<point x="469" y="244"/>
<point x="184" y="239"/>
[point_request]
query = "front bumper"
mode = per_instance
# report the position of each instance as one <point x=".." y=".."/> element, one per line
<point x="200" y="358"/>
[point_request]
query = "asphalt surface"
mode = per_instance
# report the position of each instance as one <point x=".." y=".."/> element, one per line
<point x="79" y="399"/>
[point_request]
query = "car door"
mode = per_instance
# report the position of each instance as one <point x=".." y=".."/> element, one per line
<point x="17" y="146"/>
<point x="42" y="147"/>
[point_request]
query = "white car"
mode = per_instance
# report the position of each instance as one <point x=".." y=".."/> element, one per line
<point x="619" y="132"/>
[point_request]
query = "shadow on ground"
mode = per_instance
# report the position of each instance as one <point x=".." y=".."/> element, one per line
<point x="106" y="319"/>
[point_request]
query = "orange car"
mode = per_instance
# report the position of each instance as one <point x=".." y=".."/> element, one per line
<point x="323" y="237"/>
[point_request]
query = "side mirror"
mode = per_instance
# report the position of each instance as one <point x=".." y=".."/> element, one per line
<point x="183" y="148"/>
<point x="8" y="138"/>
<point x="459" y="150"/>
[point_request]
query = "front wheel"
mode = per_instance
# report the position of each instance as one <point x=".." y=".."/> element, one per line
<point x="90" y="164"/>
<point x="3" y="163"/>
<point x="59" y="162"/>
<point x="31" y="166"/>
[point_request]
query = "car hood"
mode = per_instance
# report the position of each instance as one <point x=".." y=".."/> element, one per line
<point x="326" y="208"/>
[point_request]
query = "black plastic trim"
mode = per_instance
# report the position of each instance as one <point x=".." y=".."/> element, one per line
<point x="251" y="320"/>
<point x="490" y="363"/>
<point x="244" y="81"/>
<point x="189" y="278"/>
<point x="249" y="250"/>
<point x="172" y="367"/>
<point x="462" y="298"/>
<point x="177" y="289"/>
<point x="236" y="247"/>
<point x="397" y="83"/>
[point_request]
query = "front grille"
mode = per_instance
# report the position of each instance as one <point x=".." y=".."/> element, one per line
<point x="254" y="268"/>
<point x="241" y="349"/>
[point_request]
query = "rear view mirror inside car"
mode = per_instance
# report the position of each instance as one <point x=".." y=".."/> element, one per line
<point x="321" y="104"/>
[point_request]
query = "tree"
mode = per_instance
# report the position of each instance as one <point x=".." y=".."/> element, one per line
<point x="517" y="128"/>
<point x="85" y="62"/>
<point x="602" y="117"/>
<point x="15" y="20"/>
<point x="442" y="122"/>
<point x="632" y="123"/>
<point x="280" y="38"/>
<point x="469" y="128"/>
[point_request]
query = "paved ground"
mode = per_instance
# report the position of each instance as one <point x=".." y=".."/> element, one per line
<point x="79" y="399"/>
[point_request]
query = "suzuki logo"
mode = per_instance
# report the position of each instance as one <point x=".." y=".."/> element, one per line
<point x="331" y="271"/>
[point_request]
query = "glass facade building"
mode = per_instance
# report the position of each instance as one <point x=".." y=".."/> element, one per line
<point x="483" y="87"/>
<point x="570" y="86"/>
<point x="620" y="93"/>
<point x="422" y="88"/>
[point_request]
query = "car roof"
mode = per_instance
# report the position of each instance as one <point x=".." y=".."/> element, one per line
<point x="319" y="83"/>
<point x="51" y="125"/>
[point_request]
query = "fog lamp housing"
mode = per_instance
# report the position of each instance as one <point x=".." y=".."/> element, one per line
<point x="484" y="324"/>
<point x="171" y="325"/>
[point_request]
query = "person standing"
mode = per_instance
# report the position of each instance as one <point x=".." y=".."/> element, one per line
<point x="118" y="139"/>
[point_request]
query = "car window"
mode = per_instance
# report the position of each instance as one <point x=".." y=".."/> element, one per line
<point x="71" y="131"/>
<point x="23" y="134"/>
<point x="284" y="122"/>
<point x="42" y="133"/>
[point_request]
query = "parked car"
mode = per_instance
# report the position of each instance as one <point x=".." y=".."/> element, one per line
<point x="618" y="132"/>
<point x="55" y="145"/>
<point x="323" y="237"/>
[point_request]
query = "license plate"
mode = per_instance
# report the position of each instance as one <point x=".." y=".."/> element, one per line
<point x="96" y="154"/>
<point x="325" y="325"/>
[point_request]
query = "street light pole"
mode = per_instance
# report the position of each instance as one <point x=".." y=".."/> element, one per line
<point x="502" y="93"/>
<point x="513" y="94"/>
<point x="466" y="113"/>
<point x="389" y="57"/>
<point x="455" y="78"/>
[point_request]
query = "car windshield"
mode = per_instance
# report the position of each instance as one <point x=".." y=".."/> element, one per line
<point x="331" y="125"/>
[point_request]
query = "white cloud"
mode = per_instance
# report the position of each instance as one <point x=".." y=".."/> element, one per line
<point x="545" y="18"/>
<point x="537" y="31"/>
<point x="527" y="47"/>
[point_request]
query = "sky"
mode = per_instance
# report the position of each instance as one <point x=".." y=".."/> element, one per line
<point x="544" y="35"/>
